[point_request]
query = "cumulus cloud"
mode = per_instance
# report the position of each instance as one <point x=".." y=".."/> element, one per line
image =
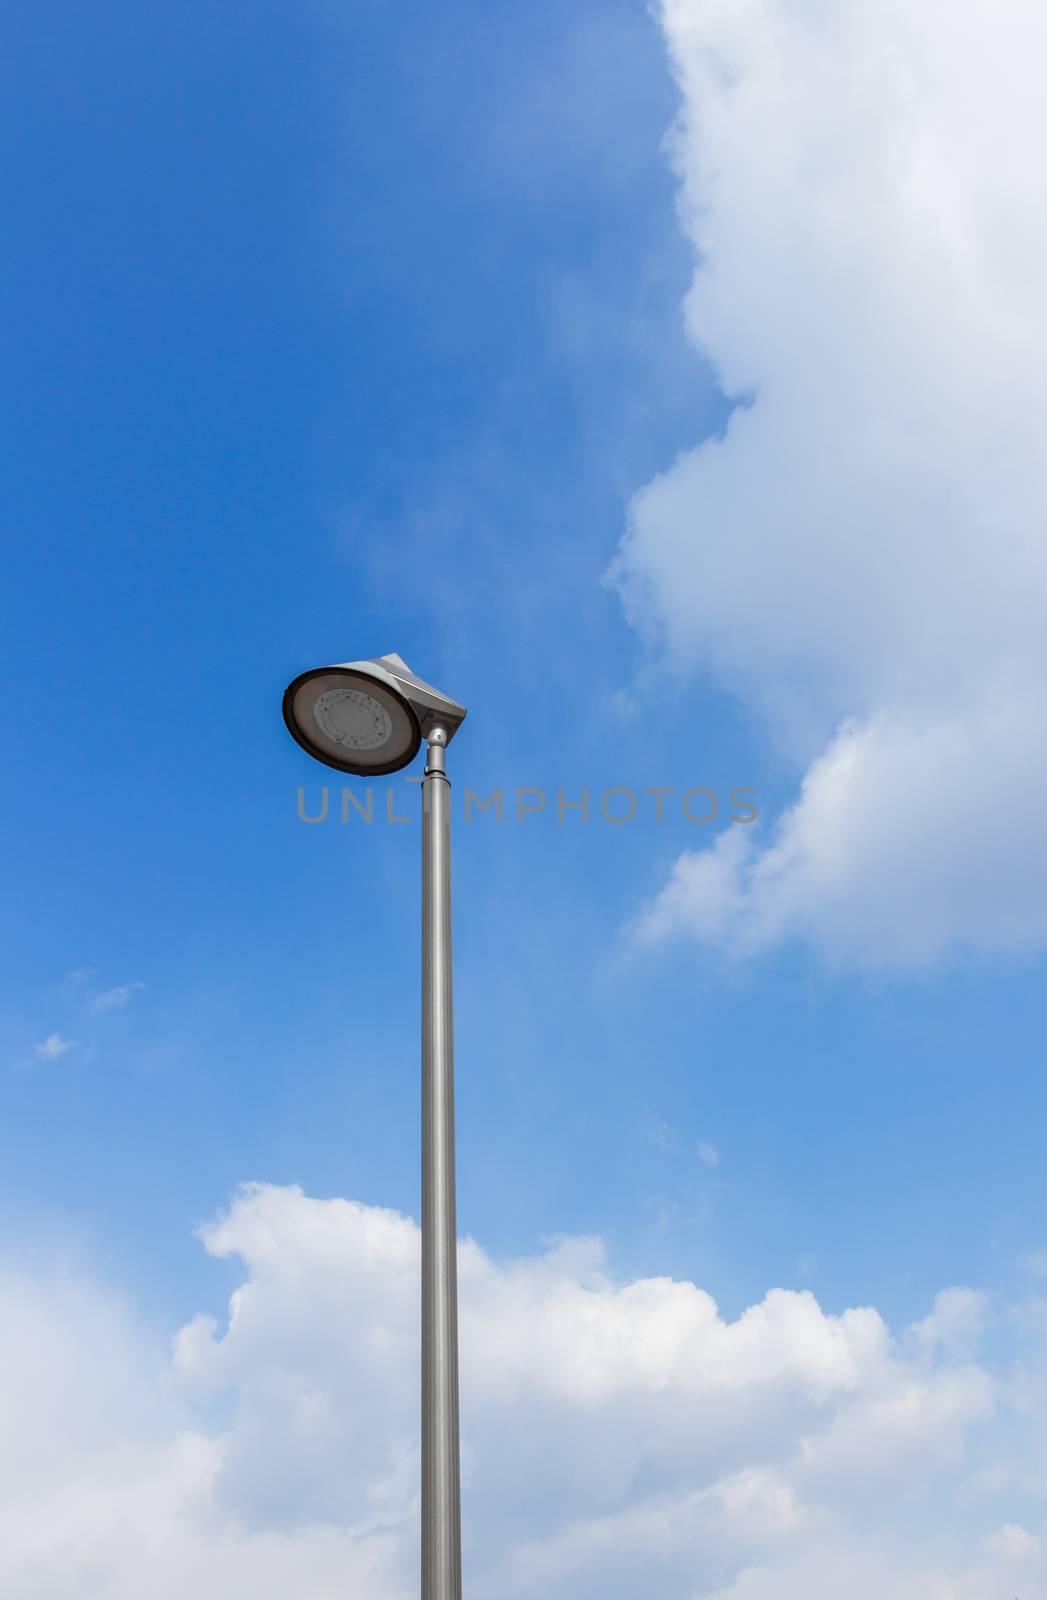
<point x="618" y="1437"/>
<point x="862" y="555"/>
<point x="1012" y="1542"/>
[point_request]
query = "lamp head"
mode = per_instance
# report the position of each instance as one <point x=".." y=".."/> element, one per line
<point x="366" y="717"/>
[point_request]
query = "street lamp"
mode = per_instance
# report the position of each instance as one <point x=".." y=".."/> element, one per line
<point x="368" y="718"/>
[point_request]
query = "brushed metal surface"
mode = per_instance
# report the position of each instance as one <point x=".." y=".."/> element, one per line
<point x="441" y="1493"/>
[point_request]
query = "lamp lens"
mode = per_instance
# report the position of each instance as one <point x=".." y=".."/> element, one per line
<point x="352" y="722"/>
<point x="352" y="719"/>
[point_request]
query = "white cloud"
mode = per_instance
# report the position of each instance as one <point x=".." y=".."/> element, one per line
<point x="618" y="1438"/>
<point x="116" y="998"/>
<point x="53" y="1046"/>
<point x="661" y="1133"/>
<point x="1011" y="1542"/>
<point x="707" y="1153"/>
<point x="862" y="556"/>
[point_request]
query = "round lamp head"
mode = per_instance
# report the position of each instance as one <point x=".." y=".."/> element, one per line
<point x="352" y="721"/>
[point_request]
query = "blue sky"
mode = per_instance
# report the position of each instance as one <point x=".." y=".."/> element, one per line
<point x="339" y="330"/>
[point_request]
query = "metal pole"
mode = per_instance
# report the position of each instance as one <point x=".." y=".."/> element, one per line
<point x="441" y="1502"/>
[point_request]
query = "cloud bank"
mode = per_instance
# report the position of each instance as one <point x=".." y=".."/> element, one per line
<point x="618" y="1438"/>
<point x="863" y="555"/>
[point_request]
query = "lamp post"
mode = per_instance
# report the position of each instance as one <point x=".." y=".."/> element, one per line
<point x="369" y="718"/>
